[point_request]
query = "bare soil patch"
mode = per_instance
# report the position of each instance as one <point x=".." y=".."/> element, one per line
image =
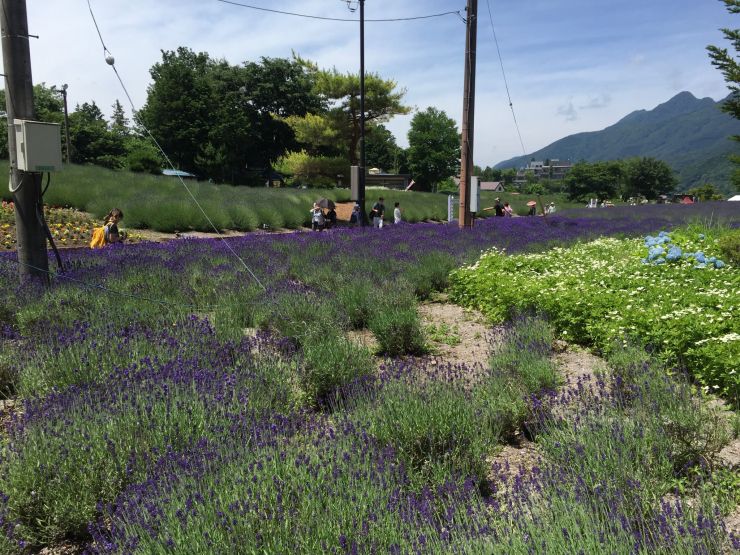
<point x="458" y="336"/>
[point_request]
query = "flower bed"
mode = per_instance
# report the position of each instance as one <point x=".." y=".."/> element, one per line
<point x="150" y="420"/>
<point x="681" y="301"/>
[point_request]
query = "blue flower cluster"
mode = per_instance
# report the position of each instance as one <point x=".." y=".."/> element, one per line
<point x="662" y="250"/>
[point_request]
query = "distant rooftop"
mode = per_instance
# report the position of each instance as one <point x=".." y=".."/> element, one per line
<point x="178" y="173"/>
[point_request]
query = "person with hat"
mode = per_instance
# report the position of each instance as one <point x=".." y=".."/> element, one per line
<point x="498" y="207"/>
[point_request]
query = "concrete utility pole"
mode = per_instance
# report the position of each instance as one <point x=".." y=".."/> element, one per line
<point x="361" y="200"/>
<point x="25" y="186"/>
<point x="466" y="155"/>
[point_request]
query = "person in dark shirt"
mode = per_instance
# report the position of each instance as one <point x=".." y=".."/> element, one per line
<point x="377" y="213"/>
<point x="498" y="207"/>
<point x="331" y="218"/>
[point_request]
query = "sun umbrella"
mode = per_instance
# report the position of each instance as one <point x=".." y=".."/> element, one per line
<point x="532" y="203"/>
<point x="326" y="203"/>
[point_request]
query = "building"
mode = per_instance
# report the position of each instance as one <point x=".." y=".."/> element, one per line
<point x="549" y="169"/>
<point x="495" y="186"/>
<point x="179" y="173"/>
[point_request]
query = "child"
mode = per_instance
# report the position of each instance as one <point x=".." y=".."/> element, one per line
<point x="112" y="234"/>
<point x="397" y="218"/>
<point x="354" y="218"/>
<point x="317" y="217"/>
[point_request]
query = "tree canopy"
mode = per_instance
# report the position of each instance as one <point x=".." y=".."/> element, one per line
<point x="730" y="68"/>
<point x="223" y="121"/>
<point x="340" y="93"/>
<point x="599" y="179"/>
<point x="648" y="177"/>
<point x="434" y="147"/>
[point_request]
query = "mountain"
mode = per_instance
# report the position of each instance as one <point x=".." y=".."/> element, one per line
<point x="689" y="134"/>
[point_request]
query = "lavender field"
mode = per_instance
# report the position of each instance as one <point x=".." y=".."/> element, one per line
<point x="169" y="399"/>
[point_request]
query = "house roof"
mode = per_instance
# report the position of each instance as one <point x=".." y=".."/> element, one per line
<point x="177" y="173"/>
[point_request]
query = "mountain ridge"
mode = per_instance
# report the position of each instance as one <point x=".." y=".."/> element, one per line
<point x="690" y="134"/>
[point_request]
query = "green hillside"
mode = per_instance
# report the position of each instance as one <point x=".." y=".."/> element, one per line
<point x="690" y="134"/>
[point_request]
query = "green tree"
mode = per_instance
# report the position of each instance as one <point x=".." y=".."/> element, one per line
<point x="599" y="179"/>
<point x="177" y="109"/>
<point x="434" y="147"/>
<point x="730" y="68"/>
<point x="648" y="177"/>
<point x="222" y="121"/>
<point x="313" y="170"/>
<point x="381" y="150"/>
<point x="92" y="141"/>
<point x="119" y="122"/>
<point x="341" y="94"/>
<point x="706" y="191"/>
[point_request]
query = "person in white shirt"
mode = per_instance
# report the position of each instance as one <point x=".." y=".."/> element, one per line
<point x="397" y="219"/>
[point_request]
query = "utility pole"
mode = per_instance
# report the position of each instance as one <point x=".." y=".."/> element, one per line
<point x="66" y="123"/>
<point x="363" y="214"/>
<point x="25" y="186"/>
<point x="466" y="154"/>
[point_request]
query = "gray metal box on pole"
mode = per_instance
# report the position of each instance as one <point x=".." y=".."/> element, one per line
<point x="354" y="180"/>
<point x="474" y="193"/>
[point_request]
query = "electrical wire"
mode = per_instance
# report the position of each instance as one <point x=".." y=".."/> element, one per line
<point x="506" y="84"/>
<point x="281" y="12"/>
<point x="110" y="61"/>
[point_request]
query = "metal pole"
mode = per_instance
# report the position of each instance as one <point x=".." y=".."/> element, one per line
<point x="66" y="122"/>
<point x="361" y="192"/>
<point x="26" y="186"/>
<point x="465" y="218"/>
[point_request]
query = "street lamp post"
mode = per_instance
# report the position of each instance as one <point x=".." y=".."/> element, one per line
<point x="66" y="121"/>
<point x="361" y="184"/>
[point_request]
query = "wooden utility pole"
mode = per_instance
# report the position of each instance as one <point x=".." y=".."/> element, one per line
<point x="25" y="186"/>
<point x="466" y="154"/>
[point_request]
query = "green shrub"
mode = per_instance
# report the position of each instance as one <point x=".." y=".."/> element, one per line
<point x="330" y="362"/>
<point x="430" y="273"/>
<point x="435" y="427"/>
<point x="398" y="331"/>
<point x="729" y="245"/>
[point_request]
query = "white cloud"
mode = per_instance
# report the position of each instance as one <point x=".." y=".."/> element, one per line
<point x="642" y="53"/>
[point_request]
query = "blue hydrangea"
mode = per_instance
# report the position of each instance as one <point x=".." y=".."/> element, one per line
<point x="655" y="252"/>
<point x="674" y="253"/>
<point x="699" y="257"/>
<point x="701" y="237"/>
<point x="719" y="264"/>
<point x="659" y="261"/>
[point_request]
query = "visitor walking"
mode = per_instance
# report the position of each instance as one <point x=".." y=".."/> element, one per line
<point x="377" y="213"/>
<point x="508" y="211"/>
<point x="355" y="217"/>
<point x="397" y="218"/>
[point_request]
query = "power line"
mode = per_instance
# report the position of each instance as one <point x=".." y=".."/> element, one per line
<point x="111" y="62"/>
<point x="506" y="84"/>
<point x="281" y="12"/>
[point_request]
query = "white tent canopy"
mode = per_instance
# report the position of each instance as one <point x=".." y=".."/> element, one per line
<point x="735" y="198"/>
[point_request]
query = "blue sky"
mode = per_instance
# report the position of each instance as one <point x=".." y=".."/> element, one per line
<point x="571" y="65"/>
